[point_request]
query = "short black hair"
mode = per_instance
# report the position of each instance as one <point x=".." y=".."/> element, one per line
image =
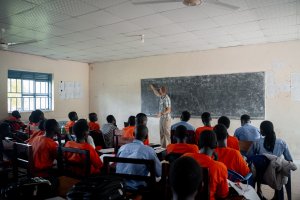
<point x="181" y="132"/>
<point x="185" y="177"/>
<point x="208" y="139"/>
<point x="141" y="132"/>
<point x="185" y="116"/>
<point x="141" y="118"/>
<point x="206" y="117"/>
<point x="245" y="118"/>
<point x="16" y="114"/>
<point x="110" y="119"/>
<point x="50" y="126"/>
<point x="93" y="117"/>
<point x="221" y="132"/>
<point x="72" y="116"/>
<point x="36" y="116"/>
<point x="131" y="121"/>
<point x="80" y="128"/>
<point x="225" y="121"/>
<point x="42" y="125"/>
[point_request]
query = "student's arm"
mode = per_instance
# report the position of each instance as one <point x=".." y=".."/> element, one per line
<point x="243" y="168"/>
<point x="155" y="91"/>
<point x="286" y="153"/>
<point x="157" y="163"/>
<point x="95" y="159"/>
<point x="222" y="187"/>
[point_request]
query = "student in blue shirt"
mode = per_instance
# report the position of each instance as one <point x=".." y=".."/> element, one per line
<point x="185" y="117"/>
<point x="137" y="149"/>
<point x="247" y="132"/>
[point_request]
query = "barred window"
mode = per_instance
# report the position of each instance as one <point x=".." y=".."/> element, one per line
<point x="28" y="91"/>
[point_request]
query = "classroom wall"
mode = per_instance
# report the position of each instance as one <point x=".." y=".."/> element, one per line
<point x="61" y="70"/>
<point x="115" y="86"/>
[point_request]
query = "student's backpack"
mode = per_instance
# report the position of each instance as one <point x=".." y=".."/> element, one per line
<point x="104" y="187"/>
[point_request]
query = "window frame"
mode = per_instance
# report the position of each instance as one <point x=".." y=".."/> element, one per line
<point x="31" y="94"/>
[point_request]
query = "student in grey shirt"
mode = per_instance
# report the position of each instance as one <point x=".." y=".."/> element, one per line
<point x="108" y="131"/>
<point x="247" y="132"/>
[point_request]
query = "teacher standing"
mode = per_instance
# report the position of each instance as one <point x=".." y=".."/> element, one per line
<point x="164" y="115"/>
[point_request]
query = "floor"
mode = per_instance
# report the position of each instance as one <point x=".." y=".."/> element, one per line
<point x="268" y="192"/>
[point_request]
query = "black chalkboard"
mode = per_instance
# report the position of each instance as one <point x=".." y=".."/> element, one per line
<point x="226" y="94"/>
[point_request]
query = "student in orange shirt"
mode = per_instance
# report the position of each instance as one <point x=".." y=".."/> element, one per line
<point x="73" y="118"/>
<point x="217" y="170"/>
<point x="128" y="132"/>
<point x="15" y="121"/>
<point x="81" y="129"/>
<point x="93" y="125"/>
<point x="39" y="132"/>
<point x="141" y="119"/>
<point x="45" y="149"/>
<point x="230" y="157"/>
<point x="232" y="141"/>
<point x="34" y="120"/>
<point x="181" y="147"/>
<point x="185" y="178"/>
<point x="206" y="120"/>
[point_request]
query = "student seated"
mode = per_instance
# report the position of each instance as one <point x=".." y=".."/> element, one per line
<point x="232" y="142"/>
<point x="34" y="120"/>
<point x="73" y="118"/>
<point x="128" y="132"/>
<point x="141" y="119"/>
<point x="185" y="178"/>
<point x="93" y="125"/>
<point x="81" y="130"/>
<point x="108" y="130"/>
<point x="247" y="132"/>
<point x="184" y="118"/>
<point x="44" y="148"/>
<point x="6" y="144"/>
<point x="206" y="120"/>
<point x="217" y="170"/>
<point x="40" y="131"/>
<point x="137" y="149"/>
<point x="15" y="121"/>
<point x="181" y="147"/>
<point x="230" y="157"/>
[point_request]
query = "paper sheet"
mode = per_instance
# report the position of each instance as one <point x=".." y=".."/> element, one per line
<point x="244" y="190"/>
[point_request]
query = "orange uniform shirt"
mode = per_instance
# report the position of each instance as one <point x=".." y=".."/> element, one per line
<point x="94" y="126"/>
<point x="217" y="174"/>
<point x="69" y="125"/>
<point x="15" y="124"/>
<point x="128" y="133"/>
<point x="233" y="142"/>
<point x="44" y="152"/>
<point x="34" y="135"/>
<point x="233" y="160"/>
<point x="32" y="127"/>
<point x="182" y="148"/>
<point x="96" y="163"/>
<point x="199" y="130"/>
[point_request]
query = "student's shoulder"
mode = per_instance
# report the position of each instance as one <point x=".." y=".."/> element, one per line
<point x="219" y="166"/>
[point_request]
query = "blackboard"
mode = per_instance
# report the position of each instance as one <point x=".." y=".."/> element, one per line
<point x="227" y="94"/>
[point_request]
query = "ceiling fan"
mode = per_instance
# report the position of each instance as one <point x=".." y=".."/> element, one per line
<point x="191" y="3"/>
<point x="4" y="45"/>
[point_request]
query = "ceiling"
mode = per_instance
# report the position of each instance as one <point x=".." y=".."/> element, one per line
<point x="104" y="30"/>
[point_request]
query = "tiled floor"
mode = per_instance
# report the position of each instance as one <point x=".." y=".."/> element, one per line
<point x="268" y="192"/>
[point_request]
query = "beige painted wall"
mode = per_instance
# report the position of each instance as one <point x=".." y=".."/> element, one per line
<point x="61" y="70"/>
<point x="115" y="86"/>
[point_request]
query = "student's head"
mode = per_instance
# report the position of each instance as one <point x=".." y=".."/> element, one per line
<point x="131" y="121"/>
<point x="4" y="130"/>
<point x="225" y="121"/>
<point x="208" y="139"/>
<point x="16" y="114"/>
<point x="111" y="119"/>
<point x="221" y="132"/>
<point x="245" y="119"/>
<point x="80" y="129"/>
<point x="36" y="116"/>
<point x="93" y="117"/>
<point x="163" y="90"/>
<point x="42" y="125"/>
<point x="141" y="119"/>
<point x="181" y="133"/>
<point x="141" y="132"/>
<point x="73" y="116"/>
<point x="51" y="127"/>
<point x="206" y="118"/>
<point x="185" y="178"/>
<point x="185" y="116"/>
<point x="267" y="130"/>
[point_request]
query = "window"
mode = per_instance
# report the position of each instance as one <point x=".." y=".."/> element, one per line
<point x="27" y="91"/>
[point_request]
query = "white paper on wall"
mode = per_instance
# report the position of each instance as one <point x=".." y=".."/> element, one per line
<point x="295" y="86"/>
<point x="70" y="90"/>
